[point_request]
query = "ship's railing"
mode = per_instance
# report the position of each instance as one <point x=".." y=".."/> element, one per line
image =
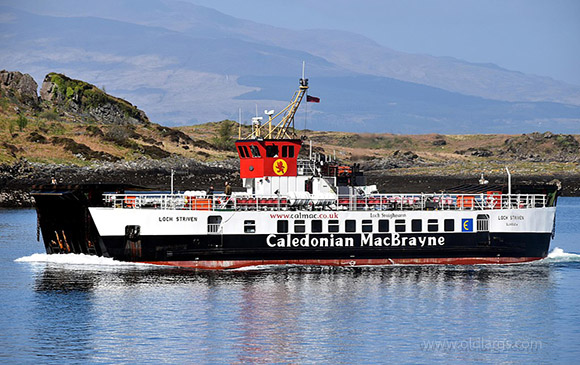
<point x="369" y="202"/>
<point x="306" y="167"/>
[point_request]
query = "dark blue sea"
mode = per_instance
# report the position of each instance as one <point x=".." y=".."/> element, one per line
<point x="75" y="309"/>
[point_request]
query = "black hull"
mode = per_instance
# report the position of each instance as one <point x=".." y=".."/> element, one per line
<point x="255" y="248"/>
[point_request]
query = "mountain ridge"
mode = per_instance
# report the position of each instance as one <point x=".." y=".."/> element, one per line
<point x="191" y="76"/>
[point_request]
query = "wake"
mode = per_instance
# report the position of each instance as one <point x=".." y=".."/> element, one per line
<point x="79" y="260"/>
<point x="558" y="255"/>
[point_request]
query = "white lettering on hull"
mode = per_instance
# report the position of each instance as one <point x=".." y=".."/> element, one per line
<point x="366" y="240"/>
<point x="288" y="241"/>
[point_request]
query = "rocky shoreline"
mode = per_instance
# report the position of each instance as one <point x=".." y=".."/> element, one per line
<point x="17" y="180"/>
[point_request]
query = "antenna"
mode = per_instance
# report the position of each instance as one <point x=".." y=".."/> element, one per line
<point x="171" y="181"/>
<point x="239" y="123"/>
<point x="303" y="66"/>
<point x="285" y="127"/>
<point x="509" y="182"/>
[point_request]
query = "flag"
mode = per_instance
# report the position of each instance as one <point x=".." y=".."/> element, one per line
<point x="312" y="99"/>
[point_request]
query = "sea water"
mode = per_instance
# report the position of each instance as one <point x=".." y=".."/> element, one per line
<point x="82" y="309"/>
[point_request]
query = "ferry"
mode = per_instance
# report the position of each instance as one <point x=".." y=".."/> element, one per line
<point x="298" y="208"/>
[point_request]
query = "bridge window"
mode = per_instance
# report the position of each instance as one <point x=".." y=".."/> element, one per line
<point x="399" y="225"/>
<point x="242" y="153"/>
<point x="383" y="225"/>
<point x="350" y="225"/>
<point x="367" y="225"/>
<point x="287" y="151"/>
<point x="250" y="226"/>
<point x="246" y="153"/>
<point x="449" y="225"/>
<point x="255" y="151"/>
<point x="316" y="226"/>
<point x="416" y="225"/>
<point x="299" y="226"/>
<point x="332" y="226"/>
<point x="272" y="151"/>
<point x="432" y="225"/>
<point x="283" y="226"/>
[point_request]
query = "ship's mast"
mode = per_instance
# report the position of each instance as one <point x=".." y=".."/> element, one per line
<point x="285" y="128"/>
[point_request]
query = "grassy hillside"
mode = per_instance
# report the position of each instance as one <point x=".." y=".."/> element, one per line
<point x="435" y="154"/>
<point x="45" y="133"/>
<point x="76" y="123"/>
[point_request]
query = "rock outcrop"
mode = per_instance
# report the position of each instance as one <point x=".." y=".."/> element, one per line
<point x="542" y="147"/>
<point x="397" y="160"/>
<point x="87" y="102"/>
<point x="20" y="86"/>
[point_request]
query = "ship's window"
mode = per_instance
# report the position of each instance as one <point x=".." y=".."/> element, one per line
<point x="316" y="226"/>
<point x="255" y="151"/>
<point x="399" y="225"/>
<point x="282" y="226"/>
<point x="308" y="186"/>
<point x="432" y="225"/>
<point x="383" y="225"/>
<point x="250" y="226"/>
<point x="333" y="226"/>
<point x="272" y="151"/>
<point x="287" y="151"/>
<point x="299" y="226"/>
<point x="416" y="225"/>
<point x="242" y="153"/>
<point x="449" y="225"/>
<point x="367" y="225"/>
<point x="246" y="153"/>
<point x="350" y="225"/>
<point x="132" y="232"/>
<point x="213" y="223"/>
<point x="483" y="223"/>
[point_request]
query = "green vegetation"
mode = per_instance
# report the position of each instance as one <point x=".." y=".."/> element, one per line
<point x="567" y="142"/>
<point x="224" y="140"/>
<point x="82" y="151"/>
<point x="4" y="102"/>
<point x="11" y="127"/>
<point x="21" y="122"/>
<point x="90" y="96"/>
<point x="37" y="138"/>
<point x="56" y="128"/>
<point x="94" y="131"/>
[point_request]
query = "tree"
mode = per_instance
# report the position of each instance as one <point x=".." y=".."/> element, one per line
<point x="223" y="139"/>
<point x="22" y="122"/>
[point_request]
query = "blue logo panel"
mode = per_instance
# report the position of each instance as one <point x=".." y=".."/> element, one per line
<point x="467" y="225"/>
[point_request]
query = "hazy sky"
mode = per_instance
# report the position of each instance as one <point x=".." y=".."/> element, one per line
<point x="533" y="36"/>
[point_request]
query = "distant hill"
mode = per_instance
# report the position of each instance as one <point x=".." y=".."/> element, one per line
<point x="185" y="64"/>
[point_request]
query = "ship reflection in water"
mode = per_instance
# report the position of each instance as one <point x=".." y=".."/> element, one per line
<point x="288" y="314"/>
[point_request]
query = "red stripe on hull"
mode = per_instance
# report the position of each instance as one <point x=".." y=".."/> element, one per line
<point x="235" y="264"/>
